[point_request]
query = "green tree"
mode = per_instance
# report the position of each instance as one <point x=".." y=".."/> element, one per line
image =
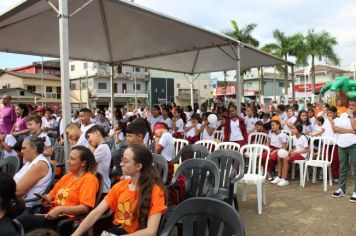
<point x="243" y="35"/>
<point x="320" y="45"/>
<point x="284" y="47"/>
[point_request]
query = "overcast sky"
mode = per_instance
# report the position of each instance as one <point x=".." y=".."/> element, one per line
<point x="290" y="16"/>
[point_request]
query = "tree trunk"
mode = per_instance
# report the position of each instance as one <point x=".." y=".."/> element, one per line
<point x="286" y="78"/>
<point x="312" y="76"/>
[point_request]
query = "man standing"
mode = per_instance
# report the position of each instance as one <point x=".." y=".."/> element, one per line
<point x="7" y="115"/>
<point x="345" y="127"/>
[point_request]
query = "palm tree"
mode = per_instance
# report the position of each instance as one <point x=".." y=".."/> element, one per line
<point x="318" y="45"/>
<point x="286" y="46"/>
<point x="243" y="35"/>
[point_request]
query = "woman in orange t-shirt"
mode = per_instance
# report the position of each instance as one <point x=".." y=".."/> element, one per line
<point x="138" y="202"/>
<point x="74" y="194"/>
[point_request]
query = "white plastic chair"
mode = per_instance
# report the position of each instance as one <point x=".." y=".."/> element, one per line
<point x="228" y="145"/>
<point x="256" y="173"/>
<point x="321" y="153"/>
<point x="179" y="144"/>
<point x="257" y="138"/>
<point x="209" y="144"/>
<point x="218" y="135"/>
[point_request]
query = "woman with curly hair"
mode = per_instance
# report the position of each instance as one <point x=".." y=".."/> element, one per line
<point x="74" y="194"/>
<point x="138" y="202"/>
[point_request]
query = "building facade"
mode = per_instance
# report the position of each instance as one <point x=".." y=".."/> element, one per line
<point x="323" y="75"/>
<point x="46" y="85"/>
<point x="167" y="87"/>
<point x="90" y="85"/>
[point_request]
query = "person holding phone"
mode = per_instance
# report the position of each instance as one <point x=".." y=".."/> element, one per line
<point x="74" y="194"/>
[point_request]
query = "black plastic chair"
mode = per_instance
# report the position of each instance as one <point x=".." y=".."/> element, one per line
<point x="201" y="178"/>
<point x="191" y="151"/>
<point x="231" y="168"/>
<point x="59" y="157"/>
<point x="18" y="227"/>
<point x="110" y="142"/>
<point x="10" y="165"/>
<point x="115" y="169"/>
<point x="160" y="163"/>
<point x="204" y="216"/>
<point x="73" y="223"/>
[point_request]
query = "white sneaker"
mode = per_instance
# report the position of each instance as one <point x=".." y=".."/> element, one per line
<point x="276" y="180"/>
<point x="283" y="183"/>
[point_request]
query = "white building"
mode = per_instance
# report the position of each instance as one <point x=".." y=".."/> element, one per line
<point x="90" y="84"/>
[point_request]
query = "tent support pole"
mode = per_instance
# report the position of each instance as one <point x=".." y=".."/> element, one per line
<point x="64" y="62"/>
<point x="293" y="89"/>
<point x="191" y="91"/>
<point x="112" y="77"/>
<point x="238" y="80"/>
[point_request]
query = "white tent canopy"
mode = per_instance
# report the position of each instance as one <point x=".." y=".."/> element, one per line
<point x="118" y="32"/>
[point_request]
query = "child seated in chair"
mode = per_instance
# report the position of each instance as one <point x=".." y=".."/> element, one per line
<point x="299" y="152"/>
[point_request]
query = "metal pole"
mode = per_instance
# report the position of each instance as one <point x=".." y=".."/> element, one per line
<point x="166" y="92"/>
<point x="191" y="91"/>
<point x="274" y="84"/>
<point x="112" y="91"/>
<point x="42" y="81"/>
<point x="293" y="89"/>
<point x="87" y="80"/>
<point x="238" y="80"/>
<point x="305" y="88"/>
<point x="64" y="60"/>
<point x="134" y="74"/>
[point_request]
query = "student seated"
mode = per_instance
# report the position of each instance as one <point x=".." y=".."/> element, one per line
<point x="74" y="194"/>
<point x="137" y="202"/>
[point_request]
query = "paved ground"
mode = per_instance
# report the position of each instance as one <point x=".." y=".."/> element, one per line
<point x="293" y="210"/>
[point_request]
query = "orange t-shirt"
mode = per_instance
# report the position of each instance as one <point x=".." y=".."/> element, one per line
<point x="341" y="109"/>
<point x="73" y="192"/>
<point x="122" y="202"/>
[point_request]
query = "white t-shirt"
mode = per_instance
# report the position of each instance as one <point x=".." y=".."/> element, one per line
<point x="10" y="141"/>
<point x="290" y="120"/>
<point x="276" y="140"/>
<point x="168" y="122"/>
<point x="104" y="124"/>
<point x="179" y="125"/>
<point x="300" y="144"/>
<point x="167" y="142"/>
<point x="52" y="123"/>
<point x="191" y="132"/>
<point x="348" y="139"/>
<point x="102" y="156"/>
<point x="328" y="130"/>
<point x="47" y="141"/>
<point x="153" y="120"/>
<point x="84" y="129"/>
<point x="235" y="134"/>
<point x="82" y="141"/>
<point x="41" y="185"/>
<point x="206" y="136"/>
<point x="250" y="123"/>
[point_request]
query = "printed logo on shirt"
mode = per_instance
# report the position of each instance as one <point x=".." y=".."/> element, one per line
<point x="61" y="196"/>
<point x="124" y="214"/>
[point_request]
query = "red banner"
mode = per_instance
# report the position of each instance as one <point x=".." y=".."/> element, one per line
<point x="300" y="88"/>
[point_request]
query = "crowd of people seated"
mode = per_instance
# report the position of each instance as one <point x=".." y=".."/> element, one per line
<point x="136" y="194"/>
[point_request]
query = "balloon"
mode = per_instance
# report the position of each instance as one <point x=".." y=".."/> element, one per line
<point x="212" y="119"/>
<point x="282" y="153"/>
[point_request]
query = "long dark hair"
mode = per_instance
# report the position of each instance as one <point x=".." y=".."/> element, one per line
<point x="9" y="203"/>
<point x="299" y="118"/>
<point x="148" y="178"/>
<point x="88" y="157"/>
<point x="182" y="115"/>
<point x="24" y="109"/>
